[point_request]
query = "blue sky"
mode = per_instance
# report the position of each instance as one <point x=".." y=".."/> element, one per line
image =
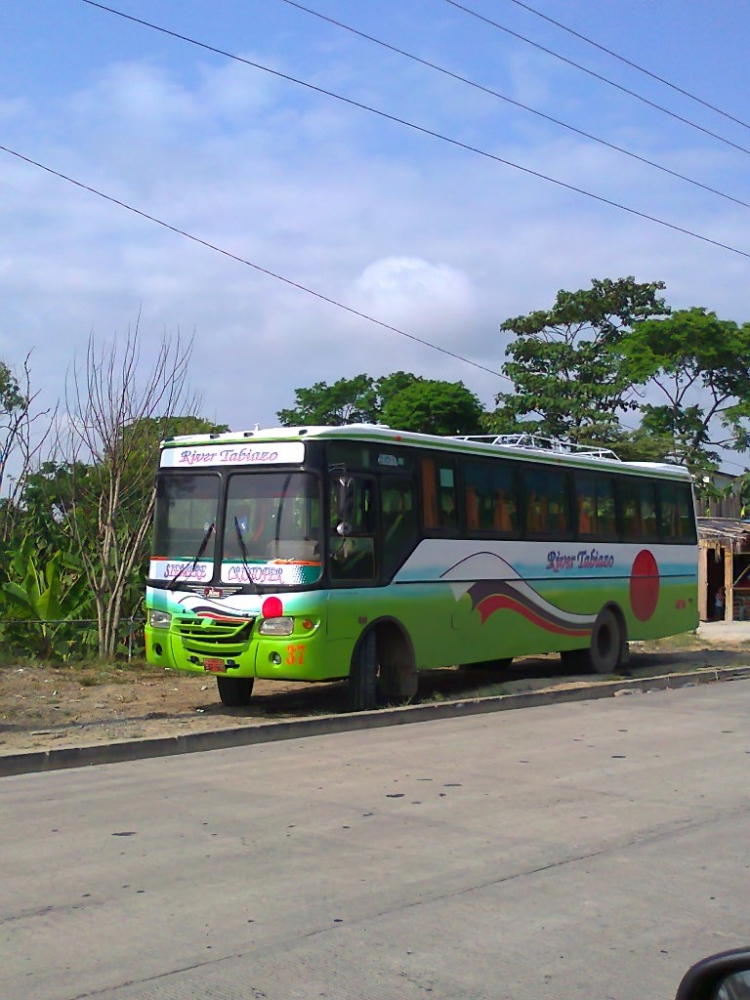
<point x="431" y="238"/>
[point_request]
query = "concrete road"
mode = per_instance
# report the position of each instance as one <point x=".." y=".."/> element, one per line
<point x="588" y="850"/>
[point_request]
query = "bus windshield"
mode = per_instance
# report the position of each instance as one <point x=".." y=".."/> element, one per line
<point x="272" y="529"/>
<point x="186" y="508"/>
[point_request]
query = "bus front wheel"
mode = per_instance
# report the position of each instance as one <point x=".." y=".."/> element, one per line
<point x="235" y="691"/>
<point x="363" y="675"/>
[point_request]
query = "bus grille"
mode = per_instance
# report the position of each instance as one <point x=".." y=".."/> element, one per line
<point x="209" y="636"/>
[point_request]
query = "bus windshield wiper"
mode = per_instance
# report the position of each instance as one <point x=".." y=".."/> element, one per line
<point x="201" y="549"/>
<point x="243" y="552"/>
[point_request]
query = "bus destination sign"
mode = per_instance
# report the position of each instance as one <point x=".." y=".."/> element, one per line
<point x="202" y="456"/>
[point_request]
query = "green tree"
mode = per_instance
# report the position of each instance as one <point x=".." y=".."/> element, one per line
<point x="401" y="399"/>
<point x="640" y="445"/>
<point x="431" y="406"/>
<point x="568" y="368"/>
<point x="700" y="366"/>
<point x="348" y="401"/>
<point x="50" y="494"/>
<point x="388" y="386"/>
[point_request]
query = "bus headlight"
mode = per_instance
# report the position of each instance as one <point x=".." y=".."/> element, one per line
<point x="276" y="626"/>
<point x="159" y="619"/>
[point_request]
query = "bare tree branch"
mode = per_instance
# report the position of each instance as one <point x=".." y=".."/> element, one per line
<point x="118" y="407"/>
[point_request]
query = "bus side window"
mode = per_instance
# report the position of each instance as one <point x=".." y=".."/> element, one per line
<point x="504" y="513"/>
<point x="648" y="509"/>
<point x="546" y="495"/>
<point x="638" y="509"/>
<point x="429" y="494"/>
<point x="489" y="497"/>
<point x="595" y="506"/>
<point x="472" y="508"/>
<point x="630" y="510"/>
<point x="533" y="512"/>
<point x="606" y="507"/>
<point x="447" y="493"/>
<point x="585" y="491"/>
<point x="439" y="495"/>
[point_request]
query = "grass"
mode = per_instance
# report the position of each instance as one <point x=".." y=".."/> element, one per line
<point x="89" y="680"/>
<point x="670" y="644"/>
<point x="90" y="672"/>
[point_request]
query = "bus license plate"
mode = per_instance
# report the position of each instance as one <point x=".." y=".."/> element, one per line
<point x="215" y="666"/>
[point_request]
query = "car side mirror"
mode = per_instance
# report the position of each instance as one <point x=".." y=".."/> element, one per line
<point x="725" y="976"/>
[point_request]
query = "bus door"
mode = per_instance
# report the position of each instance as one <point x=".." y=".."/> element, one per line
<point x="351" y="544"/>
<point x="398" y="523"/>
<point x="352" y="559"/>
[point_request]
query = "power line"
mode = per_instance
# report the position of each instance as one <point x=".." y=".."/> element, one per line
<point x="423" y="130"/>
<point x="629" y="62"/>
<point x="515" y="103"/>
<point x="257" y="267"/>
<point x="590" y="72"/>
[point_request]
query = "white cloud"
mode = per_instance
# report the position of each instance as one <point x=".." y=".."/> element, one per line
<point x="414" y="294"/>
<point x="137" y="94"/>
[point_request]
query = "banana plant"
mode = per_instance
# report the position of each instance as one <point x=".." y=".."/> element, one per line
<point x="49" y="598"/>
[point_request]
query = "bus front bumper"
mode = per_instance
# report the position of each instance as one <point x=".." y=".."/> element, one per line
<point x="302" y="656"/>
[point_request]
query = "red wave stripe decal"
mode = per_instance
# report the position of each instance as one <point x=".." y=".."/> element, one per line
<point x="488" y="596"/>
<point x="498" y="601"/>
<point x="217" y="614"/>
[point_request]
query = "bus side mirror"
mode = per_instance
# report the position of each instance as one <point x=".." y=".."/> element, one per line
<point x="345" y="505"/>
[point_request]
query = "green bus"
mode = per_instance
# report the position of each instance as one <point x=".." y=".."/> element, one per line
<point x="362" y="552"/>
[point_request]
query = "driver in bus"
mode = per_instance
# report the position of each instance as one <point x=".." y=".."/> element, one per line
<point x="255" y="521"/>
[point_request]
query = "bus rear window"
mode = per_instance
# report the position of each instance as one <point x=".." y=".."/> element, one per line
<point x="676" y="521"/>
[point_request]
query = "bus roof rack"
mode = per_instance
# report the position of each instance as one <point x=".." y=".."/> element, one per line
<point x="533" y="442"/>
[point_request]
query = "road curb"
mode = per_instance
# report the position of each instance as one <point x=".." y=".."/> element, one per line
<point x="224" y="739"/>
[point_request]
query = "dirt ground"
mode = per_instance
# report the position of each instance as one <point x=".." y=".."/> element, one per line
<point x="45" y="707"/>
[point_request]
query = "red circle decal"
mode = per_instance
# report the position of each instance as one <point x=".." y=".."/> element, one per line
<point x="644" y="585"/>
<point x="272" y="608"/>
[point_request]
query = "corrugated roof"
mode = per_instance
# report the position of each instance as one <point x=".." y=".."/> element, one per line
<point x="733" y="533"/>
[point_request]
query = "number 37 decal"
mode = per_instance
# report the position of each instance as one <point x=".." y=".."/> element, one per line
<point x="295" y="654"/>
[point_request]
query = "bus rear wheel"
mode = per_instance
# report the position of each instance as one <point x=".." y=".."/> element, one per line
<point x="235" y="691"/>
<point x="607" y="641"/>
<point x="608" y="648"/>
